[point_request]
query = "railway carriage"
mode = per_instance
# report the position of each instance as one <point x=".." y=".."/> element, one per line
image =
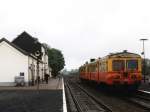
<point x="119" y="69"/>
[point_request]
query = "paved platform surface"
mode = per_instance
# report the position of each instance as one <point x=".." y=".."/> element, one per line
<point x="49" y="98"/>
<point x="31" y="101"/>
<point x="53" y="84"/>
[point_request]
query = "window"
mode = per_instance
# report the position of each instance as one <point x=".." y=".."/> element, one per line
<point x="132" y="64"/>
<point x="103" y="66"/>
<point x="118" y="65"/>
<point x="21" y="73"/>
<point x="94" y="68"/>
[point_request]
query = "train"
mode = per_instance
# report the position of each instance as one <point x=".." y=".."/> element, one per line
<point x="120" y="70"/>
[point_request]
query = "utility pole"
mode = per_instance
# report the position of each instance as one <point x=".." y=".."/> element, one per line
<point x="143" y="53"/>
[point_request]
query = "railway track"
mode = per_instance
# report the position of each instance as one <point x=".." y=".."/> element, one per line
<point x="139" y="102"/>
<point x="143" y="95"/>
<point x="141" y="99"/>
<point x="83" y="101"/>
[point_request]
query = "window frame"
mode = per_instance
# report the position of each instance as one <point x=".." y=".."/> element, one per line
<point x="136" y="64"/>
<point x="123" y="63"/>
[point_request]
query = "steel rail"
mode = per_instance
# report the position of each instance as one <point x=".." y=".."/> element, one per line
<point x="96" y="99"/>
<point x="78" y="107"/>
<point x="136" y="100"/>
<point x="142" y="95"/>
<point x="98" y="102"/>
<point x="145" y="93"/>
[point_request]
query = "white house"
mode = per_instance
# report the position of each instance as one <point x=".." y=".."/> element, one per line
<point x="17" y="62"/>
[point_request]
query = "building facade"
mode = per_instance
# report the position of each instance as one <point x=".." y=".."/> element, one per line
<point x="21" y="61"/>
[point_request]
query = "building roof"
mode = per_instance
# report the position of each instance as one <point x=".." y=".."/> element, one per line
<point x="18" y="48"/>
<point x="24" y="34"/>
<point x="27" y="43"/>
<point x="13" y="45"/>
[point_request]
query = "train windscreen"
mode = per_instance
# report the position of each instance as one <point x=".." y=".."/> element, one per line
<point x="118" y="65"/>
<point x="132" y="64"/>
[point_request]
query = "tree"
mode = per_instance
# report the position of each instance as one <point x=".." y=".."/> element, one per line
<point x="56" y="60"/>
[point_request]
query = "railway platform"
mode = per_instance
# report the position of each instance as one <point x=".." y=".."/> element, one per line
<point x="49" y="98"/>
<point x="53" y="84"/>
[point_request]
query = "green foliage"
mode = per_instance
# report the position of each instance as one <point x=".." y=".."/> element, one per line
<point x="56" y="60"/>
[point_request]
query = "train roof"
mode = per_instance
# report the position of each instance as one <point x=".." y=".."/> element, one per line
<point x="125" y="53"/>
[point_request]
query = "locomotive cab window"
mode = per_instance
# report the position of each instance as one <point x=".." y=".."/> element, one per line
<point x="132" y="64"/>
<point x="118" y="65"/>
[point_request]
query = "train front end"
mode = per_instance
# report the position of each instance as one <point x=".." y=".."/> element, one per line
<point x="125" y="70"/>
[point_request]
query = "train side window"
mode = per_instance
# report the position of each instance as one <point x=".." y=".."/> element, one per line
<point x="103" y="67"/>
<point x="88" y="69"/>
<point x="100" y="66"/>
<point x="92" y="68"/>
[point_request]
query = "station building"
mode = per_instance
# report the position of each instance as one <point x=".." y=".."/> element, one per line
<point x="18" y="58"/>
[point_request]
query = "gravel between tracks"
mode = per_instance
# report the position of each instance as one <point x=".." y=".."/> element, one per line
<point x="31" y="101"/>
<point x="114" y="102"/>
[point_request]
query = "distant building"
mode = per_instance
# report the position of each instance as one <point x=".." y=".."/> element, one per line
<point x="18" y="59"/>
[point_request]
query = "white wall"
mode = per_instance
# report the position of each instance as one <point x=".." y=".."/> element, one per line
<point x="12" y="62"/>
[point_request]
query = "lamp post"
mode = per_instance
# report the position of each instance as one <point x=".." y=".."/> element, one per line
<point x="143" y="53"/>
<point x="37" y="54"/>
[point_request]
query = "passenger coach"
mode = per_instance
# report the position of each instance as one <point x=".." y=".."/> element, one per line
<point x="119" y="69"/>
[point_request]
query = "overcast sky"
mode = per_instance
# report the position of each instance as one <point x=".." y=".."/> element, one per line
<point x="81" y="29"/>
